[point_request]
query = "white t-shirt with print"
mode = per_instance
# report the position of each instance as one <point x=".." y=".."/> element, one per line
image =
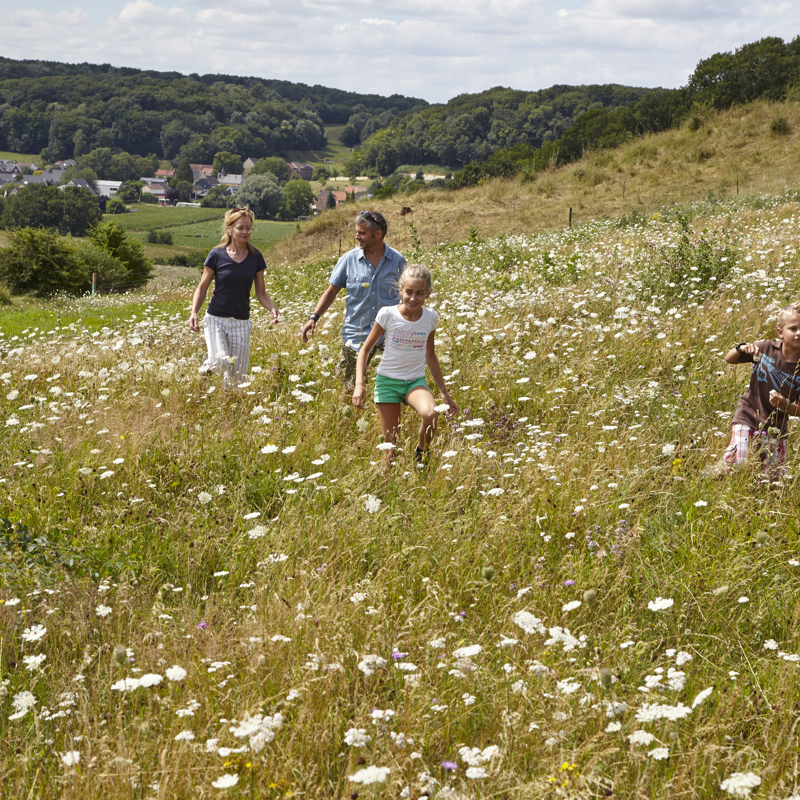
<point x="404" y="353"/>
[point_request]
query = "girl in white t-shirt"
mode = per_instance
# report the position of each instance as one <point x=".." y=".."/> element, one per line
<point x="409" y="347"/>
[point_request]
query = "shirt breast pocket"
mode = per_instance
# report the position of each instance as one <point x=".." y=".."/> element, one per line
<point x="358" y="289"/>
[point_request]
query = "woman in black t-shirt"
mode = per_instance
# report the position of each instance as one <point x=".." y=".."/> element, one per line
<point x="234" y="266"/>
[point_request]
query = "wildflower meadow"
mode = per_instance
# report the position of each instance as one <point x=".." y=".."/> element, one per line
<point x="207" y="593"/>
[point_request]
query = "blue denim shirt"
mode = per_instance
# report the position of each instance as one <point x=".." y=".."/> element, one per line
<point x="369" y="289"/>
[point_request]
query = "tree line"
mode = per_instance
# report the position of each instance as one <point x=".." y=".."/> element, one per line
<point x="68" y="110"/>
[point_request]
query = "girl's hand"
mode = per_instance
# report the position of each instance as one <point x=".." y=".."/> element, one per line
<point x="777" y="400"/>
<point x="454" y="410"/>
<point x="193" y="324"/>
<point x="275" y="314"/>
<point x="359" y="396"/>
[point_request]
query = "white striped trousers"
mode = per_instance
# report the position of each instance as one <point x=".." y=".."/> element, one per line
<point x="228" y="343"/>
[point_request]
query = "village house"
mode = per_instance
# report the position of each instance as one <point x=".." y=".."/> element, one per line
<point x="201" y="187"/>
<point x="108" y="188"/>
<point x="305" y="171"/>
<point x="202" y="171"/>
<point x="79" y="182"/>
<point x="234" y="181"/>
<point x="165" y="173"/>
<point x="322" y="199"/>
<point x="248" y="165"/>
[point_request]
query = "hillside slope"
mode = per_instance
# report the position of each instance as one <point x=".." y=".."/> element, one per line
<point x="719" y="153"/>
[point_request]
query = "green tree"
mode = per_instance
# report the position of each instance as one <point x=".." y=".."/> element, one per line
<point x="349" y="136"/>
<point x="330" y="201"/>
<point x="184" y="190"/>
<point x="297" y="198"/>
<point x="272" y="166"/>
<point x="70" y="211"/>
<point x="184" y="171"/>
<point x="111" y="237"/>
<point x="42" y="263"/>
<point x="124" y="167"/>
<point x="130" y="191"/>
<point x="217" y="197"/>
<point x="230" y="162"/>
<point x="98" y="160"/>
<point x="262" y="194"/>
<point x="116" y="206"/>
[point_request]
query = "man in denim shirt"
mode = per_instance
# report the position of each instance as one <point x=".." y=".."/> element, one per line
<point x="370" y="273"/>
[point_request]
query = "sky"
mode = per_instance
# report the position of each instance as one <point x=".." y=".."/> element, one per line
<point x="433" y="49"/>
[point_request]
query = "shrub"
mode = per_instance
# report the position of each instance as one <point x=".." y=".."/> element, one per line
<point x="193" y="259"/>
<point x="111" y="237"/>
<point x="5" y="296"/>
<point x="780" y="126"/>
<point x="165" y="237"/>
<point x="42" y="263"/>
<point x="109" y="270"/>
<point x="152" y="237"/>
<point x="148" y="199"/>
<point x="116" y="206"/>
<point x="691" y="268"/>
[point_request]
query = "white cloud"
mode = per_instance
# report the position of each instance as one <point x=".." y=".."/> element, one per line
<point x="417" y="47"/>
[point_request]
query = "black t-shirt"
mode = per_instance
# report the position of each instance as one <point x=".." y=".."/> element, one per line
<point x="233" y="282"/>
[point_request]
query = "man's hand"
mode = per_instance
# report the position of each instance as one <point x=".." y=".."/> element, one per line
<point x="308" y="329"/>
<point x="193" y="323"/>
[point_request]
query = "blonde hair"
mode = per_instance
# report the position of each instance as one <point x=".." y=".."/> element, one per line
<point x="230" y="219"/>
<point x="415" y="272"/>
<point x="788" y="311"/>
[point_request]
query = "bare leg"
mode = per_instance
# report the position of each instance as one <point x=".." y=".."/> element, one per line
<point x="421" y="400"/>
<point x="389" y="414"/>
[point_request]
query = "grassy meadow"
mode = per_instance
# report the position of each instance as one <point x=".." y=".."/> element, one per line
<point x="209" y="594"/>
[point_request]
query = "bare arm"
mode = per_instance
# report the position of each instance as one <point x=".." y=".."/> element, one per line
<point x="200" y="297"/>
<point x="323" y="304"/>
<point x="360" y="392"/>
<point x="264" y="298"/>
<point x="734" y="357"/>
<point x="432" y="363"/>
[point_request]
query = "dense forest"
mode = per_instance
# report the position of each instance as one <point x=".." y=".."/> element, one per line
<point x="68" y="110"/>
<point x="471" y="127"/>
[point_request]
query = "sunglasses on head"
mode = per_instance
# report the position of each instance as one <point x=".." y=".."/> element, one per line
<point x="370" y="216"/>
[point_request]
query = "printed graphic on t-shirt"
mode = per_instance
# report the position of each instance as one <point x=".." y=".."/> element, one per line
<point x="766" y="371"/>
<point x="408" y="339"/>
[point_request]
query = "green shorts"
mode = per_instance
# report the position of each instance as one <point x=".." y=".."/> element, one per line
<point x="393" y="390"/>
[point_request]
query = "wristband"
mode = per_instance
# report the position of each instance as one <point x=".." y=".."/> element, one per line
<point x="314" y="316"/>
<point x="745" y="358"/>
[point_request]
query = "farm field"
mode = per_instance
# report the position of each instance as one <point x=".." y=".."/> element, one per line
<point x="7" y="155"/>
<point x="203" y="591"/>
<point x="192" y="229"/>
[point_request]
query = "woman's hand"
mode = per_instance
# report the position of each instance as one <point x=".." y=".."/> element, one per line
<point x="359" y="396"/>
<point x="275" y="314"/>
<point x="193" y="323"/>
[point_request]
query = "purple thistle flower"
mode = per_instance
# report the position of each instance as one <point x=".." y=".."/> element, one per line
<point x="202" y="625"/>
<point x="449" y="765"/>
